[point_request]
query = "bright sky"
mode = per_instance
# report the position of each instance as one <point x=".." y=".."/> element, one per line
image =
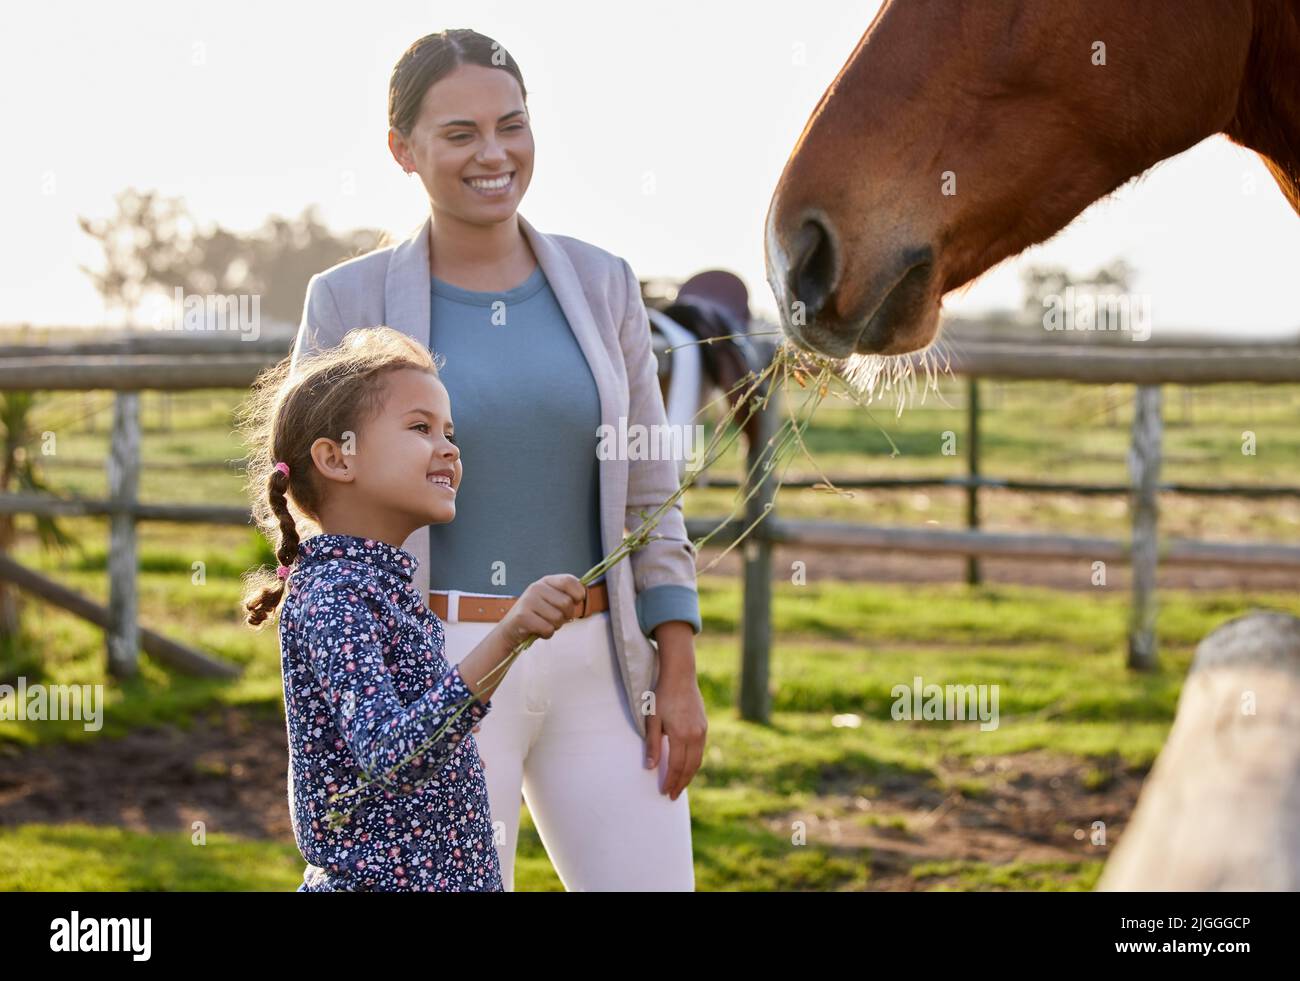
<point x="248" y="109"/>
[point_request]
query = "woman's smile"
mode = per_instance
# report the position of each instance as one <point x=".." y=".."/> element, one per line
<point x="494" y="186"/>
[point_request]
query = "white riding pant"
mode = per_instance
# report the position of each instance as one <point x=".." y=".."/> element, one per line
<point x="561" y="737"/>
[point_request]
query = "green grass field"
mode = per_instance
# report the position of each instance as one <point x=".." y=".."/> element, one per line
<point x="834" y="794"/>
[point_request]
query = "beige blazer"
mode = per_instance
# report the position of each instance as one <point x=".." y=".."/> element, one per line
<point x="601" y="298"/>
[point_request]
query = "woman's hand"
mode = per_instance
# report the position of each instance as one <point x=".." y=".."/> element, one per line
<point x="679" y="709"/>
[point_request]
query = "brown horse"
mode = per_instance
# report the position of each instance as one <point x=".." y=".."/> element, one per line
<point x="959" y="134"/>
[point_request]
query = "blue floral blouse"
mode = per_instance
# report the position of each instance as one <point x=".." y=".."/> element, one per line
<point x="366" y="683"/>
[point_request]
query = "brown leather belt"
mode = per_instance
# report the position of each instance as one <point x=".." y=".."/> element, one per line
<point x="490" y="609"/>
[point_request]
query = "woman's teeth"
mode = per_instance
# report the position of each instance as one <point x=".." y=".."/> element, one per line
<point x="493" y="186"/>
<point x="440" y="480"/>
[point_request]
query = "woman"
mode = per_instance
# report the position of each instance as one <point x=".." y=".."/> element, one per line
<point x="547" y="347"/>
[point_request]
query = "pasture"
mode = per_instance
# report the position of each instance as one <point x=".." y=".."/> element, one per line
<point x="834" y="795"/>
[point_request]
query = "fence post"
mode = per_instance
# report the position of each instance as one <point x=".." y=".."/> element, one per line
<point x="756" y="628"/>
<point x="1144" y="470"/>
<point x="1217" y="812"/>
<point x="973" y="472"/>
<point x="123" y="635"/>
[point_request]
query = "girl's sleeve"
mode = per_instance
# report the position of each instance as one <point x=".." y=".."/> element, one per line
<point x="341" y="640"/>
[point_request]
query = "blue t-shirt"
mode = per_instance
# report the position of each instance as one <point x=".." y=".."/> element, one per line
<point x="524" y="403"/>
<point x="527" y="416"/>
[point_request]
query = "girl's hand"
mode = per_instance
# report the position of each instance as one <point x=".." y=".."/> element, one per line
<point x="544" y="607"/>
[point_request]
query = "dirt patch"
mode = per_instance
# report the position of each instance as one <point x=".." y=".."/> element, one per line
<point x="1025" y="807"/>
<point x="230" y="770"/>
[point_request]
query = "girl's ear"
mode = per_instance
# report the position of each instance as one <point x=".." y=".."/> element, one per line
<point x="331" y="462"/>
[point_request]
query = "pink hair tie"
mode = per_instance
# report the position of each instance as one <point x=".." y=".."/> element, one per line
<point x="283" y="571"/>
<point x="283" y="468"/>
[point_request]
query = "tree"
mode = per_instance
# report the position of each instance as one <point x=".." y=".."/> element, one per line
<point x="152" y="245"/>
<point x="1041" y="281"/>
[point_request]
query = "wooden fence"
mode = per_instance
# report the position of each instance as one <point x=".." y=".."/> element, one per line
<point x="165" y="362"/>
<point x="985" y="355"/>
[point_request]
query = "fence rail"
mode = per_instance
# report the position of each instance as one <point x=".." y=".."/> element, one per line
<point x="169" y="363"/>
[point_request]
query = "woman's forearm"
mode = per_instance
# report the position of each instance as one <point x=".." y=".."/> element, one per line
<point x="676" y="642"/>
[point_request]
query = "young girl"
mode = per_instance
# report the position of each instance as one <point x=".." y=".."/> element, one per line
<point x="359" y="442"/>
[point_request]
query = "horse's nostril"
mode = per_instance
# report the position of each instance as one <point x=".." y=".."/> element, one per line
<point x="812" y="273"/>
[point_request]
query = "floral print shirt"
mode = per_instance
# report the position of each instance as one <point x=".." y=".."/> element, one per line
<point x="365" y="685"/>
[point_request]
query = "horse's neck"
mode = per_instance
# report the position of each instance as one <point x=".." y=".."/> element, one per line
<point x="1288" y="179"/>
<point x="1268" y="108"/>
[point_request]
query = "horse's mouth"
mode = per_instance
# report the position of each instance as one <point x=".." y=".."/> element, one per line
<point x="902" y="322"/>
